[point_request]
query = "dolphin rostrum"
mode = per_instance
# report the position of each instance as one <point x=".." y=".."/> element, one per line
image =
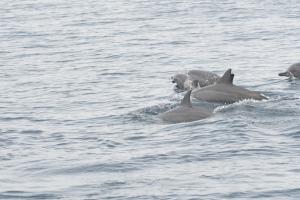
<point x="224" y="91"/>
<point x="185" y="112"/>
<point x="292" y="71"/>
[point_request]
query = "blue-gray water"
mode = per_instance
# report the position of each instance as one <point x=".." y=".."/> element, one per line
<point x="82" y="84"/>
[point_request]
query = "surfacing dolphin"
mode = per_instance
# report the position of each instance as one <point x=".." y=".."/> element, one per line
<point x="194" y="79"/>
<point x="224" y="91"/>
<point x="185" y="112"/>
<point x="203" y="78"/>
<point x="292" y="71"/>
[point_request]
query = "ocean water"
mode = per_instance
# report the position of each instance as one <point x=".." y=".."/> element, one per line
<point x="82" y="84"/>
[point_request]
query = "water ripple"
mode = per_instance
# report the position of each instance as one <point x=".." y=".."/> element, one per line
<point x="83" y="84"/>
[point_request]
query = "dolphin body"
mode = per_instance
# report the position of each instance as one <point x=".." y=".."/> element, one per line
<point x="224" y="91"/>
<point x="202" y="78"/>
<point x="185" y="112"/>
<point x="194" y="79"/>
<point x="292" y="71"/>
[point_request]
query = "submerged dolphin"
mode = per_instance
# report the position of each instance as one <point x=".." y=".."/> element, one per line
<point x="194" y="79"/>
<point x="292" y="71"/>
<point x="185" y="112"/>
<point x="224" y="91"/>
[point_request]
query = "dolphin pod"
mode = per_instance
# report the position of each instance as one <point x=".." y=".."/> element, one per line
<point x="216" y="89"/>
<point x="209" y="87"/>
<point x="292" y="71"/>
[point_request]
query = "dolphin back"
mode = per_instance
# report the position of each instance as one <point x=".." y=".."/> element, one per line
<point x="185" y="114"/>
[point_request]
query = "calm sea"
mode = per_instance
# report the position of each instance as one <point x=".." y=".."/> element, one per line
<point x="82" y="84"/>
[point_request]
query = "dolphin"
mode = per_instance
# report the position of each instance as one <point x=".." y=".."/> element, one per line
<point x="224" y="91"/>
<point x="292" y="71"/>
<point x="180" y="80"/>
<point x="202" y="78"/>
<point x="194" y="79"/>
<point x="185" y="112"/>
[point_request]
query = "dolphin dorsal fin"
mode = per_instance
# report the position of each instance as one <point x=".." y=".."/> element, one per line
<point x="186" y="101"/>
<point x="227" y="78"/>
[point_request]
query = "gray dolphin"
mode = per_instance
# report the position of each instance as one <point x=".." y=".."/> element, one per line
<point x="224" y="91"/>
<point x="185" y="112"/>
<point x="292" y="71"/>
<point x="202" y="78"/>
<point x="180" y="80"/>
<point x="194" y="79"/>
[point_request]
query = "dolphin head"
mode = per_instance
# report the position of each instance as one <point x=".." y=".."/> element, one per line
<point x="179" y="79"/>
<point x="295" y="70"/>
<point x="292" y="71"/>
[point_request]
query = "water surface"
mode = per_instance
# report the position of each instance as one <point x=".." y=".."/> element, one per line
<point x="82" y="84"/>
